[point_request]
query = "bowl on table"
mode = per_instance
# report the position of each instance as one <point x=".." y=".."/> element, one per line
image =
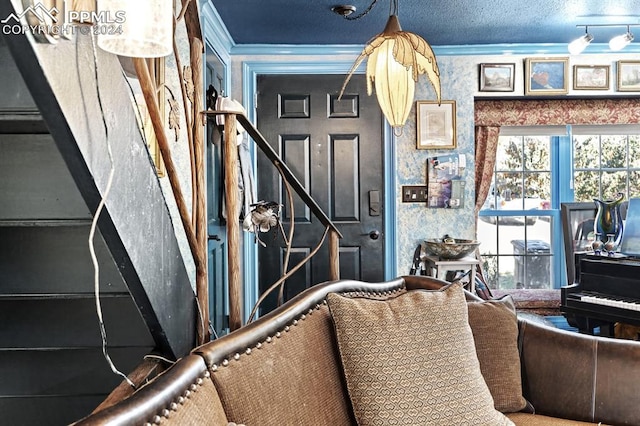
<point x="450" y="248"/>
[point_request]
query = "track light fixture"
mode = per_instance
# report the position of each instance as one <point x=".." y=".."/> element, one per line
<point x="621" y="41"/>
<point x="578" y="45"/>
<point x="617" y="43"/>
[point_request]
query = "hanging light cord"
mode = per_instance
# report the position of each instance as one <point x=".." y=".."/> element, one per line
<point x="393" y="10"/>
<point x="393" y="7"/>
<point x="365" y="12"/>
<point x="94" y="223"/>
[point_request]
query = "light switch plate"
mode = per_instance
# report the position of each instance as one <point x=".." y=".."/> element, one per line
<point x="414" y="193"/>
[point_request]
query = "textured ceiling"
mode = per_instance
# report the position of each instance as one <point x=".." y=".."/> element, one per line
<point x="440" y="22"/>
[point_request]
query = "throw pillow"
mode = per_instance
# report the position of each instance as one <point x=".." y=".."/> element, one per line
<point x="495" y="332"/>
<point x="411" y="360"/>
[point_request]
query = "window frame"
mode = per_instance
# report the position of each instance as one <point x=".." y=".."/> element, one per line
<point x="562" y="181"/>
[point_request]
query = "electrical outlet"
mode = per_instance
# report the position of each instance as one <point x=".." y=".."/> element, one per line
<point x="414" y="193"/>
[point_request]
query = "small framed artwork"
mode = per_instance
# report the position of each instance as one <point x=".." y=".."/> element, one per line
<point x="591" y="77"/>
<point x="628" y="76"/>
<point x="445" y="183"/>
<point x="496" y="77"/>
<point x="436" y="124"/>
<point x="546" y="76"/>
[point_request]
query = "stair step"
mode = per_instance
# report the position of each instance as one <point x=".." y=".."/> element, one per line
<point x="42" y="323"/>
<point x="54" y="259"/>
<point x="64" y="372"/>
<point x="57" y="410"/>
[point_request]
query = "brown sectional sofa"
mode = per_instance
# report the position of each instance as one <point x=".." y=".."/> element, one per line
<point x="285" y="369"/>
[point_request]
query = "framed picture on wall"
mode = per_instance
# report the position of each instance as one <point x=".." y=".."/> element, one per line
<point x="546" y="76"/>
<point x="497" y="77"/>
<point x="436" y="125"/>
<point x="628" y="76"/>
<point x="445" y="183"/>
<point x="591" y="77"/>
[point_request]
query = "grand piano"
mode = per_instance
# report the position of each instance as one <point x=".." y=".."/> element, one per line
<point x="606" y="291"/>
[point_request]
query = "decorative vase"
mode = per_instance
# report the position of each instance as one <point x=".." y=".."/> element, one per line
<point x="597" y="245"/>
<point x="610" y="245"/>
<point x="608" y="222"/>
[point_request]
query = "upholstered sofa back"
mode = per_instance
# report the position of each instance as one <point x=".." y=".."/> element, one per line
<point x="285" y="368"/>
<point x="293" y="373"/>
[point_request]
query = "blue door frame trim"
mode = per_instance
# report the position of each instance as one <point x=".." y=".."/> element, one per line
<point x="250" y="72"/>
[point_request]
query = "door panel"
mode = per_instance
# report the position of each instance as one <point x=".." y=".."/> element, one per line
<point x="334" y="148"/>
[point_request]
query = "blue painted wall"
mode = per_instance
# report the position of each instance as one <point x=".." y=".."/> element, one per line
<point x="415" y="221"/>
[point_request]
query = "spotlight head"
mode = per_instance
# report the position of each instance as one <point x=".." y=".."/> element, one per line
<point x="578" y="45"/>
<point x="621" y="41"/>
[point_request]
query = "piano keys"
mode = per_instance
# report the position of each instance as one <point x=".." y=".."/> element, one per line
<point x="607" y="290"/>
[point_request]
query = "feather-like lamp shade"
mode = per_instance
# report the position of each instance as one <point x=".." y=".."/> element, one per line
<point x="396" y="60"/>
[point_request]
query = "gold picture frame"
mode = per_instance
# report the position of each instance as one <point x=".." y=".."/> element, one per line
<point x="628" y="73"/>
<point x="591" y="77"/>
<point x="497" y="77"/>
<point x="546" y="76"/>
<point x="436" y="125"/>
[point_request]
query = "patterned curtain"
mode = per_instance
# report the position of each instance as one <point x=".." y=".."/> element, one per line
<point x="486" y="146"/>
<point x="557" y="112"/>
<point x="491" y="114"/>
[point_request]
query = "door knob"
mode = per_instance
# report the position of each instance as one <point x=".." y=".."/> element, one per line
<point x="374" y="235"/>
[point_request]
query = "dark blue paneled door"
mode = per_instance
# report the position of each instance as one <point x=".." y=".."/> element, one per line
<point x="334" y="147"/>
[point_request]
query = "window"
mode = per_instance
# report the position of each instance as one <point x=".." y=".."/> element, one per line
<point x="515" y="235"/>
<point x="536" y="169"/>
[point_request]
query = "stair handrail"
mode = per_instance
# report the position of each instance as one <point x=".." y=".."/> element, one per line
<point x="232" y="117"/>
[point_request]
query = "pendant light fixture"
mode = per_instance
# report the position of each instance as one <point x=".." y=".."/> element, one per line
<point x="396" y="59"/>
<point x="146" y="30"/>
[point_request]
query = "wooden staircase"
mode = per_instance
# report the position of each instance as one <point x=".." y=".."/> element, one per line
<point x="53" y="171"/>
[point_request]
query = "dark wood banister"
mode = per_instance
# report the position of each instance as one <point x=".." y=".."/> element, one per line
<point x="289" y="176"/>
<point x="231" y="199"/>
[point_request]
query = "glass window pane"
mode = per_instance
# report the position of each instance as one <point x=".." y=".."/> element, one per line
<point x="586" y="186"/>
<point x="586" y="152"/>
<point x="508" y="186"/>
<point x="536" y="153"/>
<point x="487" y="234"/>
<point x="490" y="269"/>
<point x="538" y="187"/>
<point x="612" y="183"/>
<point x="634" y="151"/>
<point x="509" y="153"/>
<point x="634" y="184"/>
<point x="614" y="152"/>
<point x="505" y="270"/>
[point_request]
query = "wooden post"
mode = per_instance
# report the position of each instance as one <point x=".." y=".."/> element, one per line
<point x="334" y="256"/>
<point x="232" y="202"/>
<point x="202" y="278"/>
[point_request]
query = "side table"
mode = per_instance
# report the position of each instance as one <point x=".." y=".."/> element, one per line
<point x="439" y="267"/>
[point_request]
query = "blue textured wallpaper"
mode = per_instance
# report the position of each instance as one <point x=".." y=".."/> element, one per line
<point x="416" y="221"/>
